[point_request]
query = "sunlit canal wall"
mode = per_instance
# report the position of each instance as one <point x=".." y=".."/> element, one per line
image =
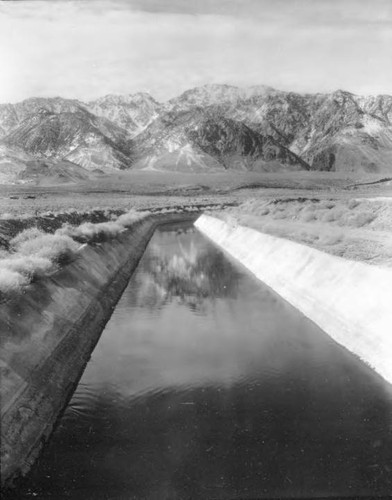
<point x="48" y="334"/>
<point x="350" y="301"/>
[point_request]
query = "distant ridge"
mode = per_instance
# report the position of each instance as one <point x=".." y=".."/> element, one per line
<point x="208" y="128"/>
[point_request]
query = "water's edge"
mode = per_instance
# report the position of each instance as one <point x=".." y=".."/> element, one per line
<point x="205" y="383"/>
<point x="349" y="300"/>
<point x="50" y="334"/>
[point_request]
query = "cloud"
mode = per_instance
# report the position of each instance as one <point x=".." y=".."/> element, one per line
<point x="86" y="49"/>
<point x="298" y="11"/>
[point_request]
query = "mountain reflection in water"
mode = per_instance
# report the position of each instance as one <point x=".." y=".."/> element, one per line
<point x="183" y="269"/>
<point x="206" y="384"/>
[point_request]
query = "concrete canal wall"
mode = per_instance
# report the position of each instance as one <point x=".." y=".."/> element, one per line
<point x="349" y="300"/>
<point x="47" y="336"/>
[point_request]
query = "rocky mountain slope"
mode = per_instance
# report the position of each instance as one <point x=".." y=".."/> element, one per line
<point x="338" y="131"/>
<point x="133" y="112"/>
<point x="208" y="128"/>
<point x="18" y="166"/>
<point x="203" y="139"/>
<point x="79" y="137"/>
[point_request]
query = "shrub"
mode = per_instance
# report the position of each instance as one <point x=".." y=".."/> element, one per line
<point x="7" y="216"/>
<point x="11" y="281"/>
<point x="55" y="247"/>
<point x="331" y="239"/>
<point x="35" y="253"/>
<point x="361" y="219"/>
<point x="335" y="214"/>
<point x="102" y="231"/>
<point x="30" y="267"/>
<point x="281" y="215"/>
<point x="329" y="217"/>
<point x="26" y="235"/>
<point x="91" y="233"/>
<point x="131" y="217"/>
<point x="327" y="204"/>
<point x="353" y="204"/>
<point x="307" y="237"/>
<point x="307" y="216"/>
<point x="26" y="215"/>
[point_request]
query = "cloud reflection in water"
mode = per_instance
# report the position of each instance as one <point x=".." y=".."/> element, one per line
<point x="185" y="270"/>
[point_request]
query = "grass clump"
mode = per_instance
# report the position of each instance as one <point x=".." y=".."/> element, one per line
<point x="34" y="253"/>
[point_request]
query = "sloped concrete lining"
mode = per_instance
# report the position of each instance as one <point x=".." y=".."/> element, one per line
<point x="47" y="336"/>
<point x="350" y="301"/>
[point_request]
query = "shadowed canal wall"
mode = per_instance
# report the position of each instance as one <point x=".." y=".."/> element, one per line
<point x="349" y="300"/>
<point x="48" y="334"/>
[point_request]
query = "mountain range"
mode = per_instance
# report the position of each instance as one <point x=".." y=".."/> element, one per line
<point x="205" y="129"/>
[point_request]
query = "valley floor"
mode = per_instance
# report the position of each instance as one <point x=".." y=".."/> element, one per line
<point x="353" y="228"/>
<point x="345" y="216"/>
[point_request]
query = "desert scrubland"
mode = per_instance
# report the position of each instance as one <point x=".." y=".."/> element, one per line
<point x="42" y="228"/>
<point x="354" y="228"/>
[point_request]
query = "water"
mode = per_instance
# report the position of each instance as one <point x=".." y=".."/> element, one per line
<point x="206" y="385"/>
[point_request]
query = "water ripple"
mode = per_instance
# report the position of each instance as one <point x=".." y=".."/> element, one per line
<point x="204" y="384"/>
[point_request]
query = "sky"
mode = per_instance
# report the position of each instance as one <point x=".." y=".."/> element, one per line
<point x="85" y="49"/>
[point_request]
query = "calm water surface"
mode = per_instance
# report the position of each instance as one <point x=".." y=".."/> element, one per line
<point x="206" y="385"/>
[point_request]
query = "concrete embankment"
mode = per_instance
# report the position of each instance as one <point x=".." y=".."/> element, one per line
<point x="349" y="300"/>
<point x="47" y="336"/>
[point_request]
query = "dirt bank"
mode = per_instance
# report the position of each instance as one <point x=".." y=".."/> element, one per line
<point x="349" y="300"/>
<point x="47" y="337"/>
